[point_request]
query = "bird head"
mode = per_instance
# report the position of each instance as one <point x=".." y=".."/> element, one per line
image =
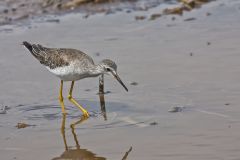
<point x="109" y="67"/>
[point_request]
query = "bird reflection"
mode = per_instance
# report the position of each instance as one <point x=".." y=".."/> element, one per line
<point x="78" y="153"/>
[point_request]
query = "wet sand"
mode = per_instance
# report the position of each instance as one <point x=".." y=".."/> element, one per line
<point x="194" y="64"/>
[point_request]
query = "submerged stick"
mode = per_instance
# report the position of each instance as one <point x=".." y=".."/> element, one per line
<point x="126" y="154"/>
<point x="101" y="84"/>
<point x="101" y="96"/>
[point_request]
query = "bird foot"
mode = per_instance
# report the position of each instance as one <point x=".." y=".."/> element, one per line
<point x="86" y="114"/>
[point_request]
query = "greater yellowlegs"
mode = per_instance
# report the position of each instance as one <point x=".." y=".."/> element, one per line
<point x="71" y="65"/>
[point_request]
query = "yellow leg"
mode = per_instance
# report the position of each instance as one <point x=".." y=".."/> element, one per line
<point x="61" y="98"/>
<point x="85" y="112"/>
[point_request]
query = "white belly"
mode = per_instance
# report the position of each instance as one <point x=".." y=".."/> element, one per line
<point x="69" y="73"/>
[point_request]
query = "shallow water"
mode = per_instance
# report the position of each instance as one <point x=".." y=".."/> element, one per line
<point x="156" y="55"/>
<point x="46" y="119"/>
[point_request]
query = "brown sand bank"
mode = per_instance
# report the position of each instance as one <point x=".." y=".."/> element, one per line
<point x="13" y="12"/>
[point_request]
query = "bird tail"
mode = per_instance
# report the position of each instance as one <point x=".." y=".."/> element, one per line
<point x="28" y="46"/>
<point x="34" y="49"/>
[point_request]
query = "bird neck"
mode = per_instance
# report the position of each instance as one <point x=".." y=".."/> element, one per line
<point x="96" y="70"/>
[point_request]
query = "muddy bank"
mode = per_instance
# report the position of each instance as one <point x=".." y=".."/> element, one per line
<point x="12" y="11"/>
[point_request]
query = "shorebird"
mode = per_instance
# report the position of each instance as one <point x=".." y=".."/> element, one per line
<point x="71" y="65"/>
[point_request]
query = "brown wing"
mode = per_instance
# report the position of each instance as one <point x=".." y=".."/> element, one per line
<point x="56" y="57"/>
<point x="52" y="58"/>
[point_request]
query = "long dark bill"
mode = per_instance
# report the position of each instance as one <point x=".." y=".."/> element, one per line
<point x="119" y="80"/>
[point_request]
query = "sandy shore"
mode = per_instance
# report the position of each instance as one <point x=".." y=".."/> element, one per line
<point x="194" y="64"/>
<point x="19" y="12"/>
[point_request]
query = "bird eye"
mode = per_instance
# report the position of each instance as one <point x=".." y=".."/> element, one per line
<point x="108" y="69"/>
